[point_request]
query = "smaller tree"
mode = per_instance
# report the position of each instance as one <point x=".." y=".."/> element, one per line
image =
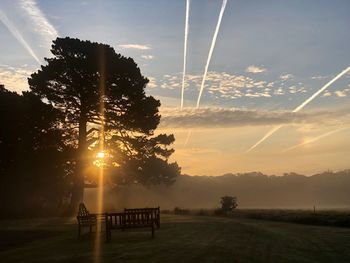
<point x="228" y="203"/>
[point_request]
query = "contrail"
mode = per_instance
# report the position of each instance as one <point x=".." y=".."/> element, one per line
<point x="224" y="2"/>
<point x="185" y="52"/>
<point x="41" y="24"/>
<point x="301" y="106"/>
<point x="13" y="30"/>
<point x="321" y="90"/>
<point x="313" y="139"/>
<point x="267" y="135"/>
<point x="187" y="138"/>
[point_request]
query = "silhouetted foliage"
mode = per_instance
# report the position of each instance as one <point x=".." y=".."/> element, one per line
<point x="33" y="163"/>
<point x="219" y="212"/>
<point x="228" y="203"/>
<point x="80" y="79"/>
<point x="181" y="211"/>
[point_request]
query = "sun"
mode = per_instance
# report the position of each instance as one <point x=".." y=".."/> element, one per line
<point x="100" y="159"/>
<point x="101" y="155"/>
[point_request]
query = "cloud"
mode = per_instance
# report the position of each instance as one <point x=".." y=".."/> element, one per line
<point x="279" y="91"/>
<point x="225" y="117"/>
<point x="286" y="77"/>
<point x="135" y="46"/>
<point x="15" y="79"/>
<point x="255" y="69"/>
<point x="294" y="89"/>
<point x="341" y="93"/>
<point x="327" y="93"/>
<point x="232" y="86"/>
<point x="320" y="77"/>
<point x="152" y="82"/>
<point x="147" y="57"/>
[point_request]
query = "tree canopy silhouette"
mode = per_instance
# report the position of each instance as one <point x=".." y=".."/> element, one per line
<point x="100" y="90"/>
<point x="33" y="163"/>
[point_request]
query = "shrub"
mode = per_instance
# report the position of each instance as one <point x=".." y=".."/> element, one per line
<point x="228" y="203"/>
<point x="181" y="211"/>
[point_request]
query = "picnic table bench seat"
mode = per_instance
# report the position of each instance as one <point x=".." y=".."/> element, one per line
<point x="132" y="218"/>
<point x="85" y="219"/>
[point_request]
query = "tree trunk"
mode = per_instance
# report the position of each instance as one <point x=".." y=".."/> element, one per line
<point x="78" y="184"/>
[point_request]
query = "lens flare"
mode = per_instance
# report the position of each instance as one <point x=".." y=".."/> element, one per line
<point x="301" y="106"/>
<point x="185" y="52"/>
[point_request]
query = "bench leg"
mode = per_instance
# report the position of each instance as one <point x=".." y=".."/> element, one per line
<point x="79" y="231"/>
<point x="108" y="232"/>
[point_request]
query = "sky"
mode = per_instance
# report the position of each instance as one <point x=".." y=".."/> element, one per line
<point x="269" y="57"/>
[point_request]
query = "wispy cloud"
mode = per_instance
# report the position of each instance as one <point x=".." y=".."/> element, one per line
<point x="320" y="77"/>
<point x="327" y="93"/>
<point x="255" y="69"/>
<point x="234" y="86"/>
<point x="286" y="77"/>
<point x="147" y="57"/>
<point x="214" y="117"/>
<point x="136" y="46"/>
<point x="152" y="82"/>
<point x="341" y="93"/>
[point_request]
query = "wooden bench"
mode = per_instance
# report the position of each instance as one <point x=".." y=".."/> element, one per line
<point x="154" y="210"/>
<point x="85" y="219"/>
<point x="129" y="219"/>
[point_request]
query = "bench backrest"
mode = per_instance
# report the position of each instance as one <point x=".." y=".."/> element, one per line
<point x="130" y="218"/>
<point x="82" y="210"/>
<point x="154" y="210"/>
<point x="84" y="217"/>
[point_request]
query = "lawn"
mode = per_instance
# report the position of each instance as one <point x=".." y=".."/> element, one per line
<point x="180" y="239"/>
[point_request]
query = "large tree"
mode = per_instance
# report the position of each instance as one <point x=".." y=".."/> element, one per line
<point x="100" y="90"/>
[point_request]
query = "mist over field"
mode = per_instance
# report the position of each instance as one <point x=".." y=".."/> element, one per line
<point x="328" y="190"/>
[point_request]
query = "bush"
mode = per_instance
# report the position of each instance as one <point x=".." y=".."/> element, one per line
<point x="219" y="212"/>
<point x="203" y="212"/>
<point x="181" y="211"/>
<point x="228" y="203"/>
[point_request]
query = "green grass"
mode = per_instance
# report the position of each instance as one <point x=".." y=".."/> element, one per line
<point x="180" y="239"/>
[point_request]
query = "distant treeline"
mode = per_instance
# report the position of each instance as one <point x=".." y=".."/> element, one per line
<point x="253" y="190"/>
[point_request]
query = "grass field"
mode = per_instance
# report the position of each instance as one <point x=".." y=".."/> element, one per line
<point x="180" y="239"/>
